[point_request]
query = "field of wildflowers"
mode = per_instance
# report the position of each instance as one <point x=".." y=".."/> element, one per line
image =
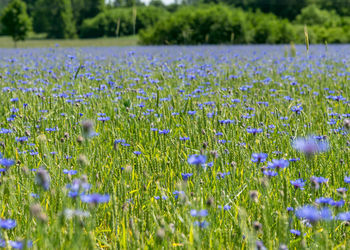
<point x="223" y="147"/>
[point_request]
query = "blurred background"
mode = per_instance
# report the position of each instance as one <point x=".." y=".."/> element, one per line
<point x="153" y="22"/>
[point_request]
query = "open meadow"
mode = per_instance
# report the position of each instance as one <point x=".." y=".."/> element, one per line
<point x="222" y="147"/>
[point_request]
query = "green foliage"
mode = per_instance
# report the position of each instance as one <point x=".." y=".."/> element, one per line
<point x="120" y="21"/>
<point x="312" y="15"/>
<point x="61" y="19"/>
<point x="54" y="17"/>
<point x="342" y="7"/>
<point x="213" y="24"/>
<point x="15" y="20"/>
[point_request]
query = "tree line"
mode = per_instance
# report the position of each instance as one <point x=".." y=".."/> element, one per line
<point x="184" y="22"/>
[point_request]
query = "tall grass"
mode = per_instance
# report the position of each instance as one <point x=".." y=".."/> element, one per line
<point x="142" y="102"/>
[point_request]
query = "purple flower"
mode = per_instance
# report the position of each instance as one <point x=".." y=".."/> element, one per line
<point x="270" y="173"/>
<point x="297" y="109"/>
<point x="326" y="213"/>
<point x="278" y="164"/>
<point x="290" y="209"/>
<point x="259" y="157"/>
<point x="15" y="244"/>
<point x="343" y="216"/>
<point x="197" y="159"/>
<point x="295" y="232"/>
<point x="299" y="183"/>
<point x="7" y="224"/>
<point x="186" y="176"/>
<point x="324" y="200"/>
<point x="310" y="146"/>
<point x="177" y="193"/>
<point x="309" y="213"/>
<point x="225" y="208"/>
<point x="342" y="190"/>
<point x="318" y="180"/>
<point x="222" y="175"/>
<point x="199" y="213"/>
<point x="347" y="179"/>
<point x="7" y="162"/>
<point x="184" y="138"/>
<point x="339" y="203"/>
<point x="201" y="224"/>
<point x="94" y="198"/>
<point x="164" y="131"/>
<point x="254" y="131"/>
<point x="70" y="172"/>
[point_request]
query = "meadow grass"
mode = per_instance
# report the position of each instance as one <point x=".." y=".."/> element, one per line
<point x="127" y="121"/>
<point x="40" y="42"/>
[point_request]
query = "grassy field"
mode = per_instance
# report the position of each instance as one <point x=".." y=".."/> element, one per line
<point x="209" y="147"/>
<point x="6" y="42"/>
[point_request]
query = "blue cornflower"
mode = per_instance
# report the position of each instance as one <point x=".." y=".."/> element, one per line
<point x="339" y="203"/>
<point x="185" y="138"/>
<point x="343" y="216"/>
<point x="222" y="175"/>
<point x="259" y="157"/>
<point x="94" y="198"/>
<point x="347" y="179"/>
<point x="294" y="159"/>
<point x="70" y="172"/>
<point x="295" y="232"/>
<point x="318" y="180"/>
<point x="21" y="139"/>
<point x="177" y="193"/>
<point x="254" y="131"/>
<point x="342" y="190"/>
<point x="201" y="224"/>
<point x="324" y="200"/>
<point x="164" y="131"/>
<point x="309" y="213"/>
<point x="299" y="183"/>
<point x="278" y="164"/>
<point x="7" y="224"/>
<point x="225" y="208"/>
<point x="186" y="176"/>
<point x="199" y="213"/>
<point x="197" y="159"/>
<point x="269" y="173"/>
<point x="77" y="186"/>
<point x="118" y="141"/>
<point x="297" y="109"/>
<point x="103" y="119"/>
<point x="15" y="244"/>
<point x="137" y="152"/>
<point x="191" y="112"/>
<point x="7" y="162"/>
<point x="326" y="213"/>
<point x="310" y="145"/>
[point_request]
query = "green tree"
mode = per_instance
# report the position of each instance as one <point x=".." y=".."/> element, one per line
<point x="61" y="24"/>
<point x="312" y="15"/>
<point x="30" y="6"/>
<point x="15" y="20"/>
<point x="84" y="9"/>
<point x="55" y="17"/>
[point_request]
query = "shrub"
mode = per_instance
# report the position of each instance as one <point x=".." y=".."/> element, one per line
<point x="120" y="21"/>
